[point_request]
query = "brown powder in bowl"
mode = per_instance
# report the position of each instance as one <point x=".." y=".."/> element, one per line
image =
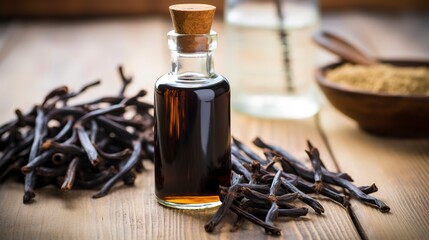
<point x="382" y="78"/>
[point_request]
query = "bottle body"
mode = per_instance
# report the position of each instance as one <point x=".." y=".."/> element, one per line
<point x="192" y="140"/>
<point x="258" y="48"/>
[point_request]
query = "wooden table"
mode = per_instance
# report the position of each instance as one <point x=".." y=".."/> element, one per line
<point x="36" y="56"/>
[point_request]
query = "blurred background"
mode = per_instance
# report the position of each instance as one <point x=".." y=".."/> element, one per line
<point x="45" y="43"/>
<point x="92" y="8"/>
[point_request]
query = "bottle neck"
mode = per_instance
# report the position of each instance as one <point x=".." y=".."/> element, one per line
<point x="192" y="55"/>
<point x="192" y="66"/>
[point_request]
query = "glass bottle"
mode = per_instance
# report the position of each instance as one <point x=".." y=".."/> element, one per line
<point x="192" y="130"/>
<point x="270" y="57"/>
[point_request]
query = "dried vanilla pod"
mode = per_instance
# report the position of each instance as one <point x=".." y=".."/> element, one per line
<point x="268" y="187"/>
<point x="91" y="145"/>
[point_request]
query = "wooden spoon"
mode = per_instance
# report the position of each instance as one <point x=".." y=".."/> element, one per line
<point x="342" y="48"/>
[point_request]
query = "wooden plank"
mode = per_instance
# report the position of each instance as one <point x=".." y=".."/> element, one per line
<point x="398" y="167"/>
<point x="44" y="55"/>
<point x="48" y="54"/>
<point x="382" y="34"/>
<point x="292" y="136"/>
<point x="132" y="213"/>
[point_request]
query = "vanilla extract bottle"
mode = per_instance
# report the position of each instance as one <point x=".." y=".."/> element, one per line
<point x="192" y="111"/>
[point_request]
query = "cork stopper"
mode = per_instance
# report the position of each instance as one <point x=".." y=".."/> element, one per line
<point x="192" y="19"/>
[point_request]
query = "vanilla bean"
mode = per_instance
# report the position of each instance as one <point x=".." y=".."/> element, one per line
<point x="258" y="142"/>
<point x="7" y="127"/>
<point x="76" y="112"/>
<point x="369" y="189"/>
<point x="109" y="100"/>
<point x="227" y="203"/>
<point x="317" y="207"/>
<point x="311" y="148"/>
<point x="126" y="122"/>
<point x="95" y="182"/>
<point x="269" y="229"/>
<point x="289" y="197"/>
<point x="71" y="175"/>
<point x="94" y="132"/>
<point x="38" y="134"/>
<point x="90" y="150"/>
<point x="23" y="120"/>
<point x="59" y="158"/>
<point x="272" y="212"/>
<point x="238" y="167"/>
<point x="114" y="127"/>
<point x="313" y="154"/>
<point x="44" y="157"/>
<point x="82" y="90"/>
<point x="30" y="182"/>
<point x="236" y="152"/>
<point x="51" y="172"/>
<point x="57" y="92"/>
<point x="308" y="175"/>
<point x="114" y="156"/>
<point x="365" y="198"/>
<point x="326" y="191"/>
<point x="90" y="176"/>
<point x="15" y="166"/>
<point x="38" y="161"/>
<point x="67" y="128"/>
<point x="255" y="196"/>
<point x="37" y="148"/>
<point x="117" y="108"/>
<point x="142" y="107"/>
<point x="131" y="162"/>
<point x="134" y="99"/>
<point x="261" y="188"/>
<point x="294" y="212"/>
<point x="68" y="148"/>
<point x="30" y="178"/>
<point x="248" y="152"/>
<point x="256" y="172"/>
<point x="125" y="81"/>
<point x="7" y="155"/>
<point x="129" y="178"/>
<point x="298" y="164"/>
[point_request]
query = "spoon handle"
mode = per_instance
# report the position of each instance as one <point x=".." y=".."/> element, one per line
<point x="342" y="48"/>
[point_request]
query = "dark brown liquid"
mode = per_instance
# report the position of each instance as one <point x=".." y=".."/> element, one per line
<point x="193" y="140"/>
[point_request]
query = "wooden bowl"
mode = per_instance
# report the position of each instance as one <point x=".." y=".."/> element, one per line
<point x="382" y="114"/>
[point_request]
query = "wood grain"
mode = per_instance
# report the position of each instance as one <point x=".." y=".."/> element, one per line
<point x="132" y="212"/>
<point x="399" y="167"/>
<point x="42" y="55"/>
<point x="46" y="54"/>
<point x="36" y="56"/>
<point x="292" y="136"/>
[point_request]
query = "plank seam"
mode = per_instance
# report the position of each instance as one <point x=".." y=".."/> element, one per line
<point x="349" y="209"/>
<point x="356" y="222"/>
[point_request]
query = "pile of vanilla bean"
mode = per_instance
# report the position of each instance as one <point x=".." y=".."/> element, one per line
<point x="96" y="144"/>
<point x="262" y="189"/>
<point x="91" y="145"/>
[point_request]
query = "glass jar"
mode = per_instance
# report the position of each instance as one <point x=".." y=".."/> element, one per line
<point x="270" y="58"/>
